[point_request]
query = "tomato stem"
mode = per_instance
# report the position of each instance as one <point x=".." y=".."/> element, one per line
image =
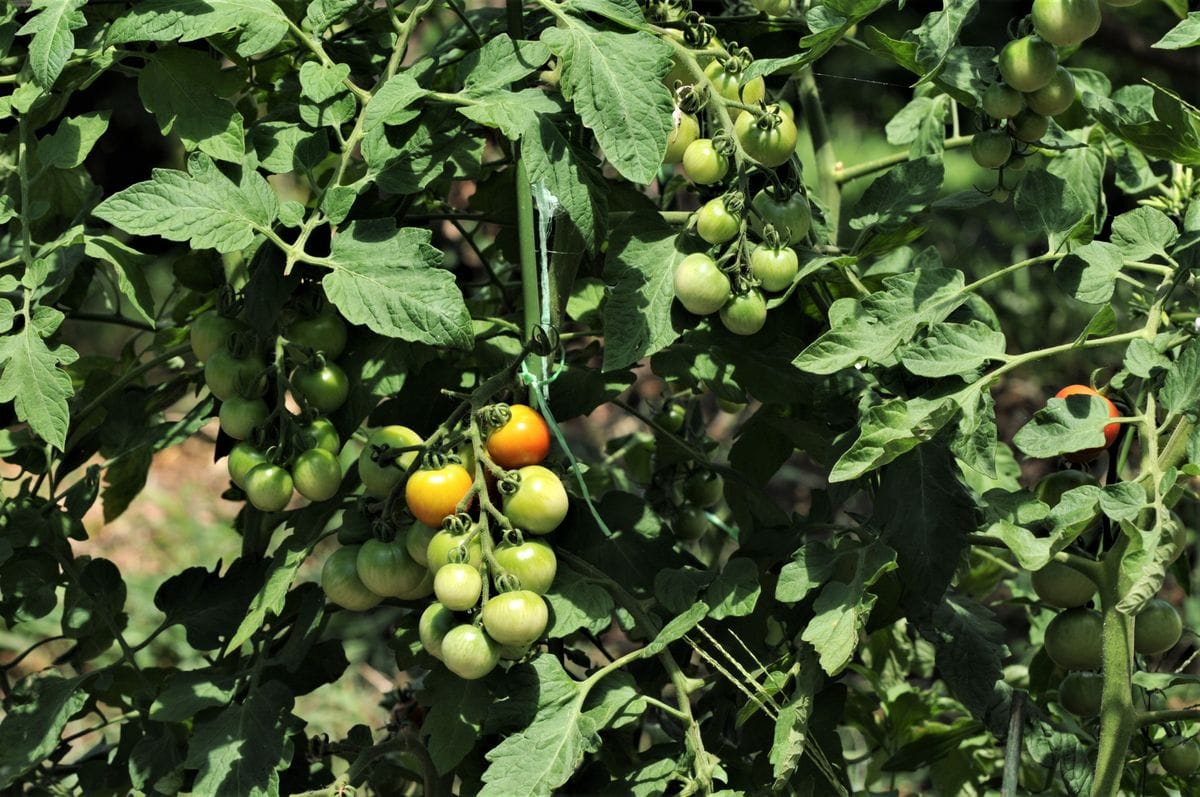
<point x="1118" y="719"/>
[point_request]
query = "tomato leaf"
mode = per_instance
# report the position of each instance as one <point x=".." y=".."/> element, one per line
<point x="32" y="377"/>
<point x="220" y="748"/>
<point x="37" y="711"/>
<point x="183" y="88"/>
<point x="456" y="713"/>
<point x="1185" y="34"/>
<point x="893" y="199"/>
<point x="53" y="39"/>
<point x="259" y="24"/>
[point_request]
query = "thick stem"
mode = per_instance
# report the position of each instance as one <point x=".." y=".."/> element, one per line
<point x="1118" y="719"/>
<point x="822" y="142"/>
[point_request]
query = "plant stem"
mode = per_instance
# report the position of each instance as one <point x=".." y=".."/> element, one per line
<point x="1118" y="719"/>
<point x="846" y="174"/>
<point x="1168" y="715"/>
<point x="128" y="377"/>
<point x="822" y="142"/>
<point x="1004" y="272"/>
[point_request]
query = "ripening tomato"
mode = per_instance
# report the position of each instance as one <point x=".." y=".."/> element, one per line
<point x="703" y="164"/>
<point x="339" y="579"/>
<point x="325" y="388"/>
<point x="1073" y="639"/>
<point x="242" y="459"/>
<point x="728" y="86"/>
<point x="436" y="621"/>
<point x="540" y="502"/>
<point x="441" y="544"/>
<point x="991" y="149"/>
<point x="1180" y="757"/>
<point x="321" y="433"/>
<point x="209" y="332"/>
<point x="1081" y="693"/>
<point x="776" y="269"/>
<point x="700" y="286"/>
<point x="715" y="224"/>
<point x="1156" y="628"/>
<point x="523" y="440"/>
<point x="533" y="563"/>
<point x="469" y="653"/>
<point x="386" y="568"/>
<point x="416" y="541"/>
<point x="1110" y="431"/>
<point x="771" y="142"/>
<point x="269" y="487"/>
<point x="791" y="217"/>
<point x="457" y="586"/>
<point x="685" y="131"/>
<point x="1065" y="23"/>
<point x="317" y="474"/>
<point x="1055" y="97"/>
<point x="433" y="494"/>
<point x="1027" y="63"/>
<point x="379" y="478"/>
<point x="228" y="376"/>
<point x="241" y="416"/>
<point x="516" y="618"/>
<point x="745" y="313"/>
<point x="1002" y="102"/>
<point x="1063" y="586"/>
<point x="1028" y="126"/>
<point x="325" y="332"/>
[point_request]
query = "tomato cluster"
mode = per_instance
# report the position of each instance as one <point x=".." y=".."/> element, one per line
<point x="448" y="550"/>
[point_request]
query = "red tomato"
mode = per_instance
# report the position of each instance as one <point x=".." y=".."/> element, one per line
<point x="524" y="440"/>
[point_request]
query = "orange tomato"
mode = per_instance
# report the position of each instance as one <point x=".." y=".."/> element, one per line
<point x="433" y="494"/>
<point x="1110" y="431"/>
<point x="524" y="440"/>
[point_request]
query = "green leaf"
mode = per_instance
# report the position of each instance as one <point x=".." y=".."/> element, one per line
<point x="1181" y="389"/>
<point x="841" y="609"/>
<point x="922" y="124"/>
<point x="53" y="39"/>
<point x="241" y="749"/>
<point x="902" y="192"/>
<point x="939" y="32"/>
<point x="404" y="160"/>
<point x="228" y="595"/>
<point x="1143" y="359"/>
<point x="970" y="654"/>
<point x="321" y="15"/>
<point x="391" y="102"/>
<point x="614" y="81"/>
<point x="501" y="62"/>
<point x="454" y="723"/>
<point x="1135" y="115"/>
<point x="893" y="428"/>
<point x="330" y="103"/>
<point x="391" y="281"/>
<point x="204" y="208"/>
<point x="811" y="566"/>
<point x="1185" y="34"/>
<point x="954" y="350"/>
<point x="577" y="603"/>
<point x="183" y="89"/>
<point x="735" y="592"/>
<point x="1065" y="201"/>
<point x="129" y="267"/>
<point x="1063" y="426"/>
<point x="72" y="140"/>
<point x="269" y="599"/>
<point x="1089" y="273"/>
<point x="37" y="711"/>
<point x="791" y="726"/>
<point x="283" y="147"/>
<point x="571" y="175"/>
<point x="259" y="24"/>
<point x="31" y="378"/>
<point x="185" y="693"/>
<point x="1143" y="233"/>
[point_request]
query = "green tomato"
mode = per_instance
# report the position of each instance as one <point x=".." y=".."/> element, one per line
<point x="1080" y="693"/>
<point x="1002" y="102"/>
<point x="1063" y="586"/>
<point x="704" y="488"/>
<point x="1122" y="3"/>
<point x="700" y="286"/>
<point x="242" y="459"/>
<point x="715" y="224"/>
<point x="1073" y="639"/>
<point x="685" y="131"/>
<point x="325" y="389"/>
<point x="671" y="417"/>
<point x="540" y="502"/>
<point x="269" y="487"/>
<point x="421" y="591"/>
<point x="639" y="460"/>
<point x="745" y="314"/>
<point x="317" y="474"/>
<point x="457" y="586"/>
<point x="1065" y="23"/>
<point x="691" y="523"/>
<point x="991" y="149"/>
<point x="772" y="145"/>
<point x="1180" y="757"/>
<point x="791" y="218"/>
<point x="379" y="478"/>
<point x="339" y="579"/>
<point x="469" y="653"/>
<point x="209" y="333"/>
<point x="321" y="433"/>
<point x="776" y="269"/>
<point x="772" y="8"/>
<point x="703" y="164"/>
<point x="416" y="540"/>
<point x="533" y="563"/>
<point x="241" y="416"/>
<point x="1028" y="126"/>
<point x="727" y="85"/>
<point x="1157" y="628"/>
<point x="1027" y="63"/>
<point x="387" y="569"/>
<point x="325" y="332"/>
<point x="436" y="621"/>
<point x="227" y="376"/>
<point x="516" y="619"/>
<point x="437" y="555"/>
<point x="1055" y="97"/>
<point x="732" y="407"/>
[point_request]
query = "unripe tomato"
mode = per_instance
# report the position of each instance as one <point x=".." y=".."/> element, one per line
<point x="1065" y="23"/>
<point x="1027" y="63"/>
<point x="1180" y="758"/>
<point x="241" y="416"/>
<point x="1073" y="639"/>
<point x="691" y="523"/>
<point x="704" y="488"/>
<point x="517" y="618"/>
<point x="325" y="388"/>
<point x="540" y="502"/>
<point x="1122" y="3"/>
<point x="437" y="555"/>
<point x="1080" y="693"/>
<point x="776" y="269"/>
<point x="457" y="586"/>
<point x="242" y="459"/>
<point x="771" y="146"/>
<point x="745" y="313"/>
<point x="732" y="407"/>
<point x="714" y="222"/>
<point x="726" y="84"/>
<point x="317" y="474"/>
<point x="1055" y="97"/>
<point x="379" y="478"/>
<point x="469" y="653"/>
<point x="325" y="332"/>
<point x="209" y="332"/>
<point x="513" y="652"/>
<point x="791" y="218"/>
<point x="523" y="440"/>
<point x="1063" y="586"/>
<point x="433" y="494"/>
<point x="703" y="164"/>
<point x="671" y="417"/>
<point x="1157" y="628"/>
<point x="227" y="376"/>
<point x="639" y="460"/>
<point x="1002" y="102"/>
<point x="700" y="286"/>
<point x="686" y="130"/>
<point x="1053" y="486"/>
<point x="773" y="8"/>
<point x="416" y="541"/>
<point x="1028" y="126"/>
<point x="387" y="569"/>
<point x="339" y="579"/>
<point x="436" y="621"/>
<point x="1110" y="431"/>
<point x="321" y="433"/>
<point x="269" y="487"/>
<point x="533" y="563"/>
<point x="991" y="149"/>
